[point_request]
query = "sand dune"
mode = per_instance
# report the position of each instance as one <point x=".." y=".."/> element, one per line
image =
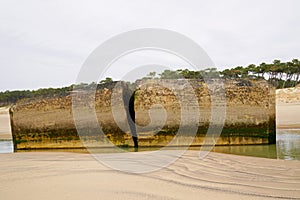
<point x="288" y="115"/>
<point x="79" y="176"/>
<point x="5" y="131"/>
<point x="288" y="108"/>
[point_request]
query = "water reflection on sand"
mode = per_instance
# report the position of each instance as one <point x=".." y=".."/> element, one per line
<point x="288" y="144"/>
<point x="287" y="147"/>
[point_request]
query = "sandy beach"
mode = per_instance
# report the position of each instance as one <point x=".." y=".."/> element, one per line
<point x="58" y="175"/>
<point x="79" y="176"/>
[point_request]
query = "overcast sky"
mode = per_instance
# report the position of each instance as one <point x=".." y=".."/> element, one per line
<point x="44" y="43"/>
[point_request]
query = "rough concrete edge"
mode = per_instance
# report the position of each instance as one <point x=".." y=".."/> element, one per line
<point x="11" y="114"/>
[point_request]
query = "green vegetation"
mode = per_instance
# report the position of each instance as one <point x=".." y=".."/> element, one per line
<point x="107" y="80"/>
<point x="280" y="74"/>
<point x="11" y="97"/>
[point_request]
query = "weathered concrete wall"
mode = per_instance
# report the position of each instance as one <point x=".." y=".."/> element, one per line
<point x="49" y="123"/>
<point x="250" y="110"/>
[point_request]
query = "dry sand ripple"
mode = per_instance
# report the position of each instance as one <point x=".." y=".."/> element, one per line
<point x="257" y="177"/>
<point x="79" y="176"/>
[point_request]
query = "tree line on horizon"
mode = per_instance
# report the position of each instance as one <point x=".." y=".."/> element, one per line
<point x="280" y="74"/>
